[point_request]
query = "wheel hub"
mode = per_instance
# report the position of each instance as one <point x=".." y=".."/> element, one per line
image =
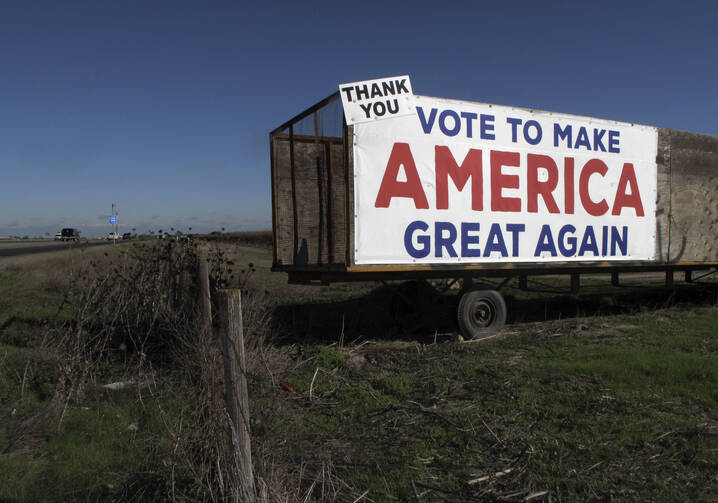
<point x="484" y="313"/>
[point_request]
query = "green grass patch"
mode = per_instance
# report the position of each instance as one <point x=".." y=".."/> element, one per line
<point x="101" y="447"/>
<point x="621" y="407"/>
<point x="109" y="445"/>
<point x="23" y="312"/>
<point x="9" y="277"/>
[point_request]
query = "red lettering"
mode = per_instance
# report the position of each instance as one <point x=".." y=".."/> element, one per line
<point x="544" y="189"/>
<point x="391" y="187"/>
<point x="591" y="207"/>
<point x="568" y="185"/>
<point x="500" y="181"/>
<point x="624" y="200"/>
<point x="446" y="167"/>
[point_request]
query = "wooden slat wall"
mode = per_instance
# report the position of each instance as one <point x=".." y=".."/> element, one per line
<point x="319" y="197"/>
<point x="307" y="203"/>
<point x="663" y="162"/>
<point x="337" y="204"/>
<point x="692" y="208"/>
<point x="283" y="206"/>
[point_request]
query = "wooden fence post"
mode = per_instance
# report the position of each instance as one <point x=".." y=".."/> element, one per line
<point x="229" y="314"/>
<point x="206" y="298"/>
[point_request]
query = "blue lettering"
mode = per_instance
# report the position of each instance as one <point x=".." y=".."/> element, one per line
<point x="570" y="250"/>
<point x="514" y="125"/>
<point x="620" y="241"/>
<point x="515" y="229"/>
<point x="539" y="132"/>
<point x="467" y="240"/>
<point x="613" y="142"/>
<point x="487" y="124"/>
<point x="582" y="139"/>
<point x="545" y="242"/>
<point x="444" y="242"/>
<point x="495" y="242"/>
<point x="598" y="139"/>
<point x="442" y="123"/>
<point x="469" y="116"/>
<point x="561" y="134"/>
<point x="588" y="243"/>
<point x="604" y="241"/>
<point x="424" y="241"/>
<point x="426" y="126"/>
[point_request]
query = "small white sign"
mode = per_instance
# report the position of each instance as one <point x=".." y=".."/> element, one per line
<point x="371" y="100"/>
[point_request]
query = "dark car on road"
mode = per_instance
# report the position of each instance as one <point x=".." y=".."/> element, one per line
<point x="69" y="234"/>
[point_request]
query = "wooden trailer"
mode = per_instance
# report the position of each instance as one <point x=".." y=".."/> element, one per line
<point x="324" y="233"/>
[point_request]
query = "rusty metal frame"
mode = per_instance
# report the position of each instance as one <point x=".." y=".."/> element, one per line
<point x="278" y="132"/>
<point x="301" y="138"/>
<point x="348" y="166"/>
<point x="320" y="187"/>
<point x="294" y="194"/>
<point x="330" y="204"/>
<point x="341" y="274"/>
<point x="309" y="111"/>
<point x="275" y="223"/>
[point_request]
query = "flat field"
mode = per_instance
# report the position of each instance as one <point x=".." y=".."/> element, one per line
<point x="363" y="391"/>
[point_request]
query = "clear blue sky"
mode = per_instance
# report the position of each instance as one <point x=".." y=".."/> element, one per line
<point x="164" y="107"/>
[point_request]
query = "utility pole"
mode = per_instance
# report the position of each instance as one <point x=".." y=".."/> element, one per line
<point x="115" y="226"/>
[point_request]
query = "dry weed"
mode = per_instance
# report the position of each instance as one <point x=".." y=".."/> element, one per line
<point x="141" y="306"/>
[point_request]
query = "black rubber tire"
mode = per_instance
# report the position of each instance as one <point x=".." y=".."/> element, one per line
<point x="481" y="314"/>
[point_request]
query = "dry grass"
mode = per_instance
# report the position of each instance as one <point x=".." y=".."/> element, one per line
<point x="259" y="239"/>
<point x="131" y="316"/>
<point x="54" y="270"/>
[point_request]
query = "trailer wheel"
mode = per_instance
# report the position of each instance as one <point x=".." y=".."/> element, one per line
<point x="481" y="314"/>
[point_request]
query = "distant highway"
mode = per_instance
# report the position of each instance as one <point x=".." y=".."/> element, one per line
<point x="12" y="248"/>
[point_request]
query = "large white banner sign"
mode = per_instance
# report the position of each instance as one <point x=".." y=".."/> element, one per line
<point x="461" y="182"/>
